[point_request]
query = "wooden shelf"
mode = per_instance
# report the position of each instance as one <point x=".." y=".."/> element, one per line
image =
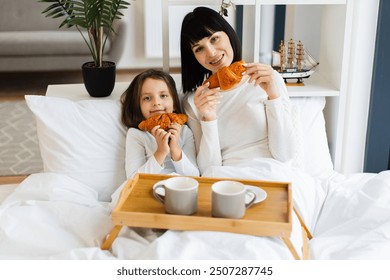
<point x="316" y="85"/>
<point x="77" y="92"/>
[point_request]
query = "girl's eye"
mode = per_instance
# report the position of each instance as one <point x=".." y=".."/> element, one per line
<point x="164" y="96"/>
<point x="146" y="98"/>
<point x="214" y="39"/>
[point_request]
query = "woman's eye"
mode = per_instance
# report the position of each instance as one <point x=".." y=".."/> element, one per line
<point x="214" y="39"/>
<point x="199" y="49"/>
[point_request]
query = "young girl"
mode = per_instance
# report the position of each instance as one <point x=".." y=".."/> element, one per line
<point x="154" y="92"/>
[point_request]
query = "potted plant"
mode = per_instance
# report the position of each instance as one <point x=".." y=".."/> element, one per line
<point x="96" y="17"/>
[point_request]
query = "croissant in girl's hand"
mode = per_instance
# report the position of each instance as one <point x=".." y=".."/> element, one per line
<point x="163" y="120"/>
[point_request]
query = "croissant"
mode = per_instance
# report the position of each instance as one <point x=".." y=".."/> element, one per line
<point x="227" y="77"/>
<point x="163" y="120"/>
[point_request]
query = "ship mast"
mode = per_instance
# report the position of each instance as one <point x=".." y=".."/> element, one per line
<point x="291" y="54"/>
<point x="300" y="55"/>
<point x="282" y="51"/>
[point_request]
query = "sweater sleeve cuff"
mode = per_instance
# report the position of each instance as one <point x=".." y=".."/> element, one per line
<point x="209" y="126"/>
<point x="274" y="102"/>
<point x="155" y="165"/>
<point x="179" y="164"/>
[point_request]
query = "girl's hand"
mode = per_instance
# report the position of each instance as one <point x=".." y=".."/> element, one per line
<point x="174" y="141"/>
<point x="206" y="101"/>
<point x="262" y="75"/>
<point x="162" y="138"/>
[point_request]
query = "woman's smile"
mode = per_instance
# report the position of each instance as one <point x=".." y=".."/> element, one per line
<point x="217" y="61"/>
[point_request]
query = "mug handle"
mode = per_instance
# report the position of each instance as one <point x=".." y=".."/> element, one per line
<point x="158" y="196"/>
<point x="250" y="203"/>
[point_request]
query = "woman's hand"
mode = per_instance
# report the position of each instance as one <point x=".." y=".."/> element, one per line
<point x="174" y="141"/>
<point x="262" y="75"/>
<point x="162" y="138"/>
<point x="206" y="101"/>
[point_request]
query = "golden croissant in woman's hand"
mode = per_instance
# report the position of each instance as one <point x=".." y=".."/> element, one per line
<point x="227" y="77"/>
<point x="163" y="120"/>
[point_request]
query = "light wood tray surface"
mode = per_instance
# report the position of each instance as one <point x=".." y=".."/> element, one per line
<point x="138" y="208"/>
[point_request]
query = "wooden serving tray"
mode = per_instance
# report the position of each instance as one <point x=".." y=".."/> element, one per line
<point x="272" y="217"/>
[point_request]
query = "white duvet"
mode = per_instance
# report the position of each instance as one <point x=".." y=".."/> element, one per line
<point x="51" y="216"/>
<point x="355" y="220"/>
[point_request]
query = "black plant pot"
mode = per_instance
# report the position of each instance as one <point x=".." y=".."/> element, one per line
<point x="99" y="81"/>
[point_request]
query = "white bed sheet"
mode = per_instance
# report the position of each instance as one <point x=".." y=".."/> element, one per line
<point x="51" y="216"/>
<point x="48" y="214"/>
<point x="355" y="219"/>
<point x="6" y="190"/>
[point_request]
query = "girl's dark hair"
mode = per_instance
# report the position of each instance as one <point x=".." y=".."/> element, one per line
<point x="131" y="98"/>
<point x="200" y="23"/>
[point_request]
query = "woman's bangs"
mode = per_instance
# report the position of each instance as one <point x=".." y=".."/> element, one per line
<point x="200" y="30"/>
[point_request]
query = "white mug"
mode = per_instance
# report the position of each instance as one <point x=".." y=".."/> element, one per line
<point x="181" y="195"/>
<point x="228" y="199"/>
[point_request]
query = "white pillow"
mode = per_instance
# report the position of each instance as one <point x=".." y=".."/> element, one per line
<point x="84" y="140"/>
<point x="317" y="160"/>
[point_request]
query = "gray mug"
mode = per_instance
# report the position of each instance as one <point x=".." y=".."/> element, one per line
<point x="181" y="195"/>
<point x="228" y="199"/>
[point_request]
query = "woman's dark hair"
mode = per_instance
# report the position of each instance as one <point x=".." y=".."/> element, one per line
<point x="200" y="23"/>
<point x="131" y="98"/>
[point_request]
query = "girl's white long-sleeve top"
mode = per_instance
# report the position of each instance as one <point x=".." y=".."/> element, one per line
<point x="140" y="149"/>
<point x="248" y="126"/>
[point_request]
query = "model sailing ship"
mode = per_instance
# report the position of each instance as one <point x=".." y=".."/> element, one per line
<point x="293" y="63"/>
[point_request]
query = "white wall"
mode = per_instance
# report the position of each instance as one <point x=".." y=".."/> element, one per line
<point x="144" y="43"/>
<point x="303" y="24"/>
<point x="135" y="57"/>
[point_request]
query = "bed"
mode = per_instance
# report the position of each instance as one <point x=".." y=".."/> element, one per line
<point x="64" y="212"/>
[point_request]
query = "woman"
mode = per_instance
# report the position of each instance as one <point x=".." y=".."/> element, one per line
<point x="250" y="121"/>
<point x="247" y="131"/>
